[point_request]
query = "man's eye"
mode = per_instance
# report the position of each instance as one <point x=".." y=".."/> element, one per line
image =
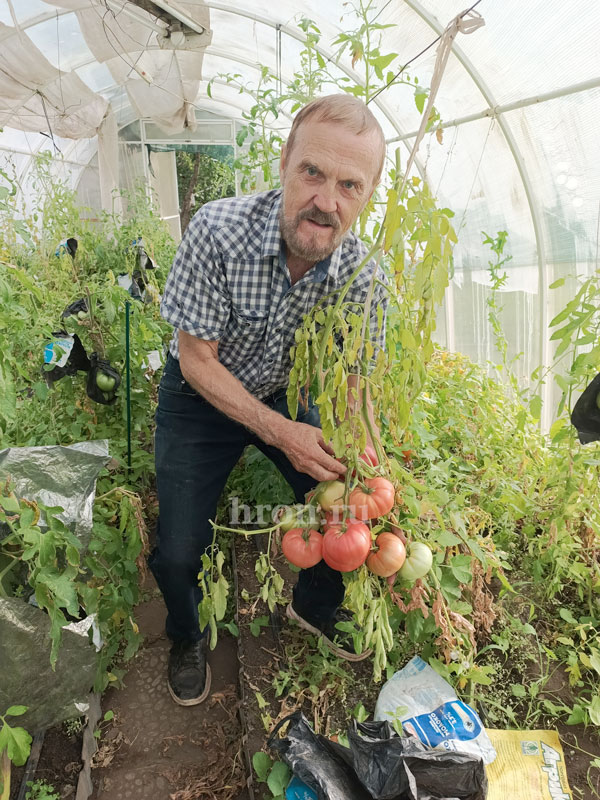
<point x="312" y="171"/>
<point x="349" y="185"/>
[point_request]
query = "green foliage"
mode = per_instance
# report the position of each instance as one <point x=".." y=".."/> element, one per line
<point x="274" y="773"/>
<point x="15" y="744"/>
<point x="38" y="555"/>
<point x="41" y="790"/>
<point x="215" y="178"/>
<point x="15" y="741"/>
<point x="260" y="143"/>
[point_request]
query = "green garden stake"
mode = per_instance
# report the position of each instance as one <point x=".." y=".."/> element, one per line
<point x="128" y="382"/>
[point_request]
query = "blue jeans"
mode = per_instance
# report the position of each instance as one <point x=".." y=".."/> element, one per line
<point x="196" y="447"/>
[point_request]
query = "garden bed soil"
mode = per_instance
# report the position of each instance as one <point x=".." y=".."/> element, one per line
<point x="283" y="655"/>
<point x="59" y="764"/>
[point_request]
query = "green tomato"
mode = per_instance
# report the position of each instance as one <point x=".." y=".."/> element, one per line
<point x="288" y="520"/>
<point x="419" y="559"/>
<point x="81" y="314"/>
<point x="106" y="383"/>
<point x="330" y="494"/>
<point x="297" y="516"/>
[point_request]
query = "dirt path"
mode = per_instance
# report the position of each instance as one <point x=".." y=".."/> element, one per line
<point x="155" y="748"/>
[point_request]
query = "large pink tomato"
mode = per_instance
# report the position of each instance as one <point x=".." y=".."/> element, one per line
<point x="346" y="545"/>
<point x="302" y="547"/>
<point x="374" y="500"/>
<point x="389" y="556"/>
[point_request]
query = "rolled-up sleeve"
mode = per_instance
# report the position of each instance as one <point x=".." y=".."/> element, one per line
<point x="196" y="299"/>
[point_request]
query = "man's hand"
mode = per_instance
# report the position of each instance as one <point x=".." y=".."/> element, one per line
<point x="307" y="451"/>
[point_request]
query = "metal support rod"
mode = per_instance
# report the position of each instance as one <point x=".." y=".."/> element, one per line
<point x="128" y="382"/>
<point x="180" y="14"/>
<point x="494" y="111"/>
<point x="139" y="16"/>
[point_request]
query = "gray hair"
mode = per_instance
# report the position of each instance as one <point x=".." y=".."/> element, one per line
<point x="346" y="110"/>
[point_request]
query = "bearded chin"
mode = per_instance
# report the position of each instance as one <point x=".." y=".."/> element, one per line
<point x="307" y="249"/>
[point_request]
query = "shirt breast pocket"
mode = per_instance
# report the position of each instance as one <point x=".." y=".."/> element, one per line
<point x="245" y="333"/>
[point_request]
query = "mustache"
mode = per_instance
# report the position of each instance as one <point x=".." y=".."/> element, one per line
<point x="321" y="217"/>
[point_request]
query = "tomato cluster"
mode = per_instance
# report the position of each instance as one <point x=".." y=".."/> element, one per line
<point x="346" y="541"/>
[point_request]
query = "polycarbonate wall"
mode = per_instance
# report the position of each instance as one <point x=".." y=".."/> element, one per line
<point x="532" y="170"/>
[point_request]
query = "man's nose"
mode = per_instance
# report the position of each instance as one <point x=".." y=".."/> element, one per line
<point x="325" y="199"/>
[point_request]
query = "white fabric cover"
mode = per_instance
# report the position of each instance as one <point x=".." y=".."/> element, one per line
<point x="108" y="164"/>
<point x="161" y="84"/>
<point x="35" y="96"/>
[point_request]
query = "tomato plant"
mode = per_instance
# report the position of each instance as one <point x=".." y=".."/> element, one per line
<point x="297" y="516"/>
<point x="369" y="456"/>
<point x="302" y="547"/>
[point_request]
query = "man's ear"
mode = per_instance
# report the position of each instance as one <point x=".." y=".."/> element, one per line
<point x="282" y="160"/>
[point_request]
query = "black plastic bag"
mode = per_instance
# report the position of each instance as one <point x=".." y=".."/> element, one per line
<point x="143" y="260"/>
<point x="75" y="309"/>
<point x="77" y="361"/>
<point x="586" y="414"/>
<point x="101" y="370"/>
<point x="69" y="246"/>
<point x="378" y="765"/>
<point x="130" y="285"/>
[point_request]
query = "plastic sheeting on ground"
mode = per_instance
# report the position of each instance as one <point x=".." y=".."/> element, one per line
<point x="65" y="477"/>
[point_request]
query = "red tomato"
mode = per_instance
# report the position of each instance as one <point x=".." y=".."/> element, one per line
<point x="374" y="501"/>
<point x="389" y="556"/>
<point x="302" y="547"/>
<point x="346" y="545"/>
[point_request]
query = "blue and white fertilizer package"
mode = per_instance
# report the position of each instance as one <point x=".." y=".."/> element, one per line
<point x="429" y="710"/>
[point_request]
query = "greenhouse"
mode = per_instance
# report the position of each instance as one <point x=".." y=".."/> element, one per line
<point x="299" y="400"/>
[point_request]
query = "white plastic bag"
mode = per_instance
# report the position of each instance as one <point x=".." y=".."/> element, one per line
<point x="430" y="710"/>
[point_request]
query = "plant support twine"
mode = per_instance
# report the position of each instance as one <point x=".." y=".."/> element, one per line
<point x="465" y="22"/>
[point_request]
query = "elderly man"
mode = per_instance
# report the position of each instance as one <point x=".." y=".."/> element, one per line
<point x="247" y="270"/>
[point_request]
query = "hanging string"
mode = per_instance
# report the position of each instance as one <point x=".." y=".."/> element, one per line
<point x="467" y="22"/>
<point x="447" y="161"/>
<point x="476" y="175"/>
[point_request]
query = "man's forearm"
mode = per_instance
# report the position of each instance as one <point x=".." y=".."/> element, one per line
<point x="225" y="392"/>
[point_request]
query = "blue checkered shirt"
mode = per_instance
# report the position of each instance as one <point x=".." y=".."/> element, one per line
<point x="230" y="282"/>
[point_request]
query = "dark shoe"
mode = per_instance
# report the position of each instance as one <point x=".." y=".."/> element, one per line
<point x="189" y="674"/>
<point x="339" y="642"/>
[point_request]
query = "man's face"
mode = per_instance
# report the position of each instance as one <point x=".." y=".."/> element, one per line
<point x="327" y="179"/>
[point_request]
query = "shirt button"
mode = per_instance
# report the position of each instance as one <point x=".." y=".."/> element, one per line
<point x="278" y="330"/>
<point x="269" y="360"/>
